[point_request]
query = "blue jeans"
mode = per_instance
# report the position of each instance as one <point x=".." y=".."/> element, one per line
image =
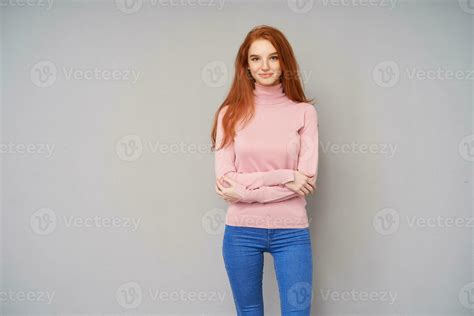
<point x="243" y="249"/>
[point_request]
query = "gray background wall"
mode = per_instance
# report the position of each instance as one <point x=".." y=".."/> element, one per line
<point x="391" y="226"/>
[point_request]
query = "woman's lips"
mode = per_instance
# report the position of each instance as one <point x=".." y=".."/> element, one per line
<point x="265" y="75"/>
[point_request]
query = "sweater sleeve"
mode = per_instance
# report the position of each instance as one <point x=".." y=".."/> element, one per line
<point x="309" y="155"/>
<point x="266" y="194"/>
<point x="225" y="165"/>
<point x="307" y="164"/>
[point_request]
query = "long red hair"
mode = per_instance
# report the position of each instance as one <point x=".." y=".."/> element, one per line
<point x="240" y="97"/>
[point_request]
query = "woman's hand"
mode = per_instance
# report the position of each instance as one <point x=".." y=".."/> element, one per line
<point x="303" y="185"/>
<point x="227" y="193"/>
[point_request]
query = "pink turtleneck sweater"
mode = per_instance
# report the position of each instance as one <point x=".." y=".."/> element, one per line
<point x="281" y="137"/>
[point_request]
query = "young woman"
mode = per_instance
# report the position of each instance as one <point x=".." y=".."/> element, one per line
<point x="265" y="166"/>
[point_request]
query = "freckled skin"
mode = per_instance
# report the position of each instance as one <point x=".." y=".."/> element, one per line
<point x="263" y="58"/>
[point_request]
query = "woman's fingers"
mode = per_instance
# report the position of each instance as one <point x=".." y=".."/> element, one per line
<point x="307" y="180"/>
<point x="310" y="181"/>
<point x="305" y="190"/>
<point x="219" y="192"/>
<point x="229" y="180"/>
<point x="221" y="187"/>
<point x="313" y="182"/>
<point x="218" y="187"/>
<point x="309" y="187"/>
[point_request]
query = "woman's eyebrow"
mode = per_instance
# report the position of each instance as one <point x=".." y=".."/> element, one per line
<point x="253" y="55"/>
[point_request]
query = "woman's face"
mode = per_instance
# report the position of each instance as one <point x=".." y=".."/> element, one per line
<point x="264" y="62"/>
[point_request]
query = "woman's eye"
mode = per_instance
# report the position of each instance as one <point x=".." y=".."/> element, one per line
<point x="256" y="58"/>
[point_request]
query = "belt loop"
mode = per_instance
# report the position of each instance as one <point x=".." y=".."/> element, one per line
<point x="268" y="238"/>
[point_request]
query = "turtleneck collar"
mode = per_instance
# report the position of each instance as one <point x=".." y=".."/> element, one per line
<point x="269" y="95"/>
